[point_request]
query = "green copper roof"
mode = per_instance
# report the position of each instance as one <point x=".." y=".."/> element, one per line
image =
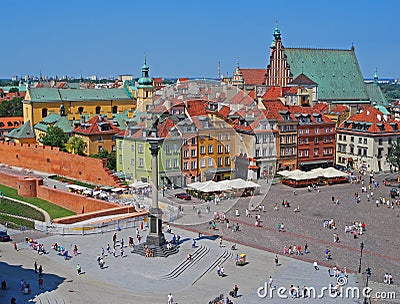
<point x="51" y="118"/>
<point x="336" y="72"/>
<point x="60" y="95"/>
<point x="383" y="110"/>
<point x="375" y="95"/>
<point x="64" y="124"/>
<point x="25" y="131"/>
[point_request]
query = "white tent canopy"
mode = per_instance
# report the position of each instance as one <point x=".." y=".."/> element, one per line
<point x="76" y="187"/>
<point x="138" y="185"/>
<point x="225" y="185"/>
<point x="315" y="173"/>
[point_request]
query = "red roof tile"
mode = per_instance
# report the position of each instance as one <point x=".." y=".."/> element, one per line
<point x="196" y="108"/>
<point x="273" y="93"/>
<point x="164" y="127"/>
<point x="11" y="122"/>
<point x="93" y="127"/>
<point x="321" y="107"/>
<point x="254" y="76"/>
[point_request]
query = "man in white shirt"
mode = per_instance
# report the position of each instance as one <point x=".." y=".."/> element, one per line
<point x="170" y="299"/>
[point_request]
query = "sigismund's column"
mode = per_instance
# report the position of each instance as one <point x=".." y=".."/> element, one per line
<point x="155" y="238"/>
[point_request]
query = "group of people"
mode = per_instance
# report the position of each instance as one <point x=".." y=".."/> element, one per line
<point x="294" y="250"/>
<point x="35" y="245"/>
<point x="388" y="278"/>
<point x="61" y="250"/>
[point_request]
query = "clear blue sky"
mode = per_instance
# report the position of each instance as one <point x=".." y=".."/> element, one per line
<point x="188" y="38"/>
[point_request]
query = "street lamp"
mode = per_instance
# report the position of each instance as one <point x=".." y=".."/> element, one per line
<point x="361" y="251"/>
<point x="368" y="272"/>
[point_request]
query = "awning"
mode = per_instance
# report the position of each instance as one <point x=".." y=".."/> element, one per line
<point x="316" y="162"/>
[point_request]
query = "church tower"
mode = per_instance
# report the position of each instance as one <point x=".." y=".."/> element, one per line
<point x="145" y="89"/>
<point x="278" y="70"/>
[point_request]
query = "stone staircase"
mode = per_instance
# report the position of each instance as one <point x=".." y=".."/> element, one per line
<point x="161" y="251"/>
<point x="186" y="264"/>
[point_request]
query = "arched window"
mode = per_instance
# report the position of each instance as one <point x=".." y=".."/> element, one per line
<point x="44" y="113"/>
<point x="115" y="109"/>
<point x="80" y="110"/>
<point x="98" y="109"/>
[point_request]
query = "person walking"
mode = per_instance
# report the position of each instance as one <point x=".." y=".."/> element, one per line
<point x="315" y="264"/>
<point x="270" y="282"/>
<point x="170" y="299"/>
<point x="276" y="261"/>
<point x="35" y="266"/>
<point x="15" y="246"/>
<point x="40" y="283"/>
<point x="78" y="269"/>
<point x="40" y="270"/>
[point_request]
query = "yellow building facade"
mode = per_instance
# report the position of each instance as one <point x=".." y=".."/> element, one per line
<point x="74" y="103"/>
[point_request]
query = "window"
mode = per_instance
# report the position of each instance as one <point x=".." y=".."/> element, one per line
<point x="227" y="161"/>
<point x="98" y="110"/>
<point x="220" y="150"/>
<point x="185" y="153"/>
<point x="330" y="150"/>
<point x="360" y="140"/>
<point x="202" y="162"/>
<point x="227" y="148"/>
<point x="351" y="150"/>
<point x="288" y="139"/>
<point x="300" y="153"/>
<point x="140" y="148"/>
<point x="307" y="131"/>
<point x="380" y="141"/>
<point x="167" y="149"/>
<point x="210" y="149"/>
<point x="282" y="152"/>
<point x="80" y="110"/>
<point x="133" y="148"/>
<point x="389" y="141"/>
<point x="305" y="152"/>
<point x="265" y="138"/>
<point x="44" y="113"/>
<point x="257" y="152"/>
<point x="359" y="151"/>
<point x="340" y="136"/>
<point x="330" y="129"/>
<point x="194" y="140"/>
<point x="193" y="152"/>
<point x="316" y="140"/>
<point x="185" y="166"/>
<point x="202" y="149"/>
<point x="306" y="141"/>
<point x="365" y="152"/>
<point x="120" y="159"/>
<point x="175" y="148"/>
<point x="132" y="161"/>
<point x="168" y="164"/>
<point x="210" y="162"/>
<point x="202" y="137"/>
<point x="113" y="148"/>
<point x="219" y="136"/>
<point x="227" y="136"/>
<point x="120" y="145"/>
<point x="176" y="164"/>
<point x="315" y="152"/>
<point x="300" y="131"/>
<point x="185" y="141"/>
<point x="344" y="137"/>
<point x="352" y="139"/>
<point x="219" y="161"/>
<point x="288" y="151"/>
<point x="141" y="163"/>
<point x="114" y="109"/>
<point x="210" y="136"/>
<point x="281" y="139"/>
<point x="300" y="141"/>
<point x="193" y="165"/>
<point x="316" y="130"/>
<point x="293" y="138"/>
<point x="264" y="152"/>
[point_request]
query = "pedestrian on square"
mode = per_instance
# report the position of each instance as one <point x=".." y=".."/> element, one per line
<point x="35" y="266"/>
<point x="40" y="283"/>
<point x="79" y="269"/>
<point x="270" y="281"/>
<point x="15" y="246"/>
<point x="306" y="251"/>
<point x="170" y="299"/>
<point x="276" y="260"/>
<point x="40" y="270"/>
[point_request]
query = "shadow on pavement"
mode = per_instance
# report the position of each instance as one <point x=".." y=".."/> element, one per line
<point x="13" y="274"/>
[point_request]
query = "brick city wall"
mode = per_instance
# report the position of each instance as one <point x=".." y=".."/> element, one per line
<point x="9" y="180"/>
<point x="82" y="217"/>
<point x="53" y="161"/>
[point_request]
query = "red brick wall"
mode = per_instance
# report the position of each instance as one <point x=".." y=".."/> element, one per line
<point x="82" y="217"/>
<point x="27" y="187"/>
<point x="52" y="160"/>
<point x="72" y="201"/>
<point x="9" y="180"/>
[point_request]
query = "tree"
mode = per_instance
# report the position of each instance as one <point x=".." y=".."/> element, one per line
<point x="393" y="157"/>
<point x="11" y="107"/>
<point x="75" y="145"/>
<point x="54" y="137"/>
<point x="110" y="156"/>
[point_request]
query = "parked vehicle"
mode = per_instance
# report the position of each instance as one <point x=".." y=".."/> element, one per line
<point x="184" y="196"/>
<point x="4" y="237"/>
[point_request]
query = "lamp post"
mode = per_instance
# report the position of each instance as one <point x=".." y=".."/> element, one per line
<point x="368" y="272"/>
<point x="361" y="252"/>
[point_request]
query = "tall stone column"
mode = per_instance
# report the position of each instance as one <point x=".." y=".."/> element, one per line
<point x="155" y="238"/>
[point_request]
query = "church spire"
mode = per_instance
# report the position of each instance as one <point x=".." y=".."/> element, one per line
<point x="376" y="76"/>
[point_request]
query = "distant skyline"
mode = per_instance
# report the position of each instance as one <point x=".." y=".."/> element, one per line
<point x="188" y="38"/>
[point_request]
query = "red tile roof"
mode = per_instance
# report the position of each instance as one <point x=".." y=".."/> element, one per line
<point x="196" y="108"/>
<point x="339" y="109"/>
<point x="224" y="111"/>
<point x="310" y="111"/>
<point x="164" y="128"/>
<point x="254" y="76"/>
<point x="321" y="107"/>
<point x="93" y="127"/>
<point x="273" y="93"/>
<point x="11" y="122"/>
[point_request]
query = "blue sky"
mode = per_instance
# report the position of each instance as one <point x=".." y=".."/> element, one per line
<point x="188" y="38"/>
